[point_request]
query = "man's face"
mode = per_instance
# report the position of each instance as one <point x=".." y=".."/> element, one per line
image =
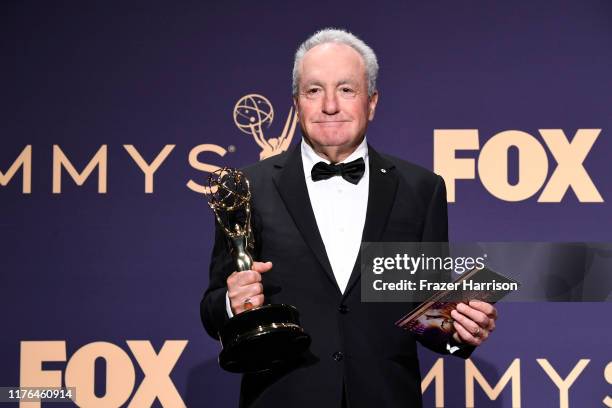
<point x="332" y="102"/>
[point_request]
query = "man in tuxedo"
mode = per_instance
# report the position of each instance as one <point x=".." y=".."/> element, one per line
<point x="312" y="207"/>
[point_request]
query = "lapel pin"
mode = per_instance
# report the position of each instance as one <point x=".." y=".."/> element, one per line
<point x="383" y="170"/>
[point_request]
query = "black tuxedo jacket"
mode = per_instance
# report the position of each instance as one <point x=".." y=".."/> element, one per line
<point x="356" y="349"/>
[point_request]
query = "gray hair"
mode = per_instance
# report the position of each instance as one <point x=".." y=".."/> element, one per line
<point x="334" y="35"/>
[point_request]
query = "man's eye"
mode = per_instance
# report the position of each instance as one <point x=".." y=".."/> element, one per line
<point x="347" y="90"/>
<point x="312" y="91"/>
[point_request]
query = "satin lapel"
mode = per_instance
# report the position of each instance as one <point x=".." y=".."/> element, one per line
<point x="291" y="184"/>
<point x="381" y="195"/>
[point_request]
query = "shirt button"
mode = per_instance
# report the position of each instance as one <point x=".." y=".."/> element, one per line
<point x="340" y="190"/>
<point x="343" y="309"/>
<point x="338" y="356"/>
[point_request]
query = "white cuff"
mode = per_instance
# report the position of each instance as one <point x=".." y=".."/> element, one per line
<point x="228" y="306"/>
<point x="451" y="349"/>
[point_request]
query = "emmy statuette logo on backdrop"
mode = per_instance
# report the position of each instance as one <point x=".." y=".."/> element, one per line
<point x="252" y="112"/>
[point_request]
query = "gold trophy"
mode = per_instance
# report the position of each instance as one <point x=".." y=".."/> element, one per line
<point x="263" y="337"/>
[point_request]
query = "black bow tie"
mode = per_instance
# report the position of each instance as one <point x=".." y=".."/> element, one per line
<point x="351" y="172"/>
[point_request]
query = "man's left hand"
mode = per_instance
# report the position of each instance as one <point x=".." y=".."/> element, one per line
<point x="474" y="322"/>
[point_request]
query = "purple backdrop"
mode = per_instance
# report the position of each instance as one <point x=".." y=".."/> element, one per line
<point x="85" y="267"/>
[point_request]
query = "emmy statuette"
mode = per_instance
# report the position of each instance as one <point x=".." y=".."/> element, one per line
<point x="263" y="337"/>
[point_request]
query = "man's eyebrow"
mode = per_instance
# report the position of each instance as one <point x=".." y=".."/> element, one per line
<point x="351" y="81"/>
<point x="312" y="82"/>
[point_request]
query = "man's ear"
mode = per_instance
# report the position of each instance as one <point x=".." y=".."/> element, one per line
<point x="373" y="100"/>
<point x="295" y="106"/>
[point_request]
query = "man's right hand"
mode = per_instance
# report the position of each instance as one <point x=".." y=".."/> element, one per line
<point x="246" y="285"/>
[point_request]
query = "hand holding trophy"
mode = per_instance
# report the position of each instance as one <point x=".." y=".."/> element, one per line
<point x="258" y="338"/>
<point x="245" y="290"/>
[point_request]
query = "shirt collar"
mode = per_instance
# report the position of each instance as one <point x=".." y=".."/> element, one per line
<point x="310" y="157"/>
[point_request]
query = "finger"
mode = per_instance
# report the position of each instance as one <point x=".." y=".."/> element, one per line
<point x="232" y="279"/>
<point x="242" y="292"/>
<point x="465" y="336"/>
<point x="470" y="326"/>
<point x="240" y="303"/>
<point x="484" y="307"/>
<point x="473" y="314"/>
<point x="236" y="305"/>
<point x="239" y="294"/>
<point x="241" y="307"/>
<point x="242" y="278"/>
<point x="247" y="303"/>
<point x="257" y="300"/>
<point x="465" y="322"/>
<point x="491" y="327"/>
<point x="262" y="267"/>
<point x="248" y="277"/>
<point x="254" y="289"/>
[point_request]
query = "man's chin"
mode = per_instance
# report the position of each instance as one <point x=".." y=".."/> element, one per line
<point x="333" y="139"/>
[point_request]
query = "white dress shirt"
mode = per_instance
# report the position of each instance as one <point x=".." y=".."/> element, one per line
<point x="340" y="211"/>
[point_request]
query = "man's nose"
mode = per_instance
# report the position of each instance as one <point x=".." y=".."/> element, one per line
<point x="330" y="103"/>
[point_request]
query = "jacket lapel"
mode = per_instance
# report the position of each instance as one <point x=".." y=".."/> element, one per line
<point x="381" y="196"/>
<point x="291" y="184"/>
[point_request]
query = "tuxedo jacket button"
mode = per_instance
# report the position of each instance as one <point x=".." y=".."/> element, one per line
<point x="338" y="356"/>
